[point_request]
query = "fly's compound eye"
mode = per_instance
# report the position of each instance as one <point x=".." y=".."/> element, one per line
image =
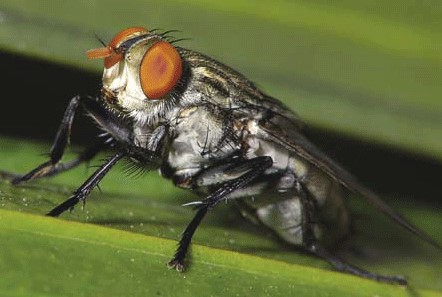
<point x="160" y="69"/>
<point x="110" y="53"/>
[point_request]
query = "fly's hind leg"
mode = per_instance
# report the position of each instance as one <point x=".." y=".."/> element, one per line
<point x="313" y="246"/>
<point x="342" y="266"/>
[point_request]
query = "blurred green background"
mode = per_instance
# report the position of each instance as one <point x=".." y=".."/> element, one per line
<point x="365" y="75"/>
<point x="371" y="69"/>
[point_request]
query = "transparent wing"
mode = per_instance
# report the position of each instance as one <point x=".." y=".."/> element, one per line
<point x="281" y="130"/>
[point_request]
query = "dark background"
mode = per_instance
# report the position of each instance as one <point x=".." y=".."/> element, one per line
<point x="35" y="94"/>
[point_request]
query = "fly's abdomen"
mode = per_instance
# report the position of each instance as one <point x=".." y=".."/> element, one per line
<point x="282" y="210"/>
<point x="331" y="213"/>
<point x="285" y="218"/>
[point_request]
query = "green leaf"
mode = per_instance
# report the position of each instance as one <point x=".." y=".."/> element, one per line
<point x="370" y="69"/>
<point x="126" y="234"/>
<point x="56" y="258"/>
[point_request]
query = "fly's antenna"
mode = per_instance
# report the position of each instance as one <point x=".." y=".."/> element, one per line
<point x="99" y="39"/>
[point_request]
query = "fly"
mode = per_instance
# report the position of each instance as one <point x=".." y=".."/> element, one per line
<point x="210" y="130"/>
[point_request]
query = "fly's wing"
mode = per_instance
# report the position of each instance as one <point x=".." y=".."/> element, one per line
<point x="277" y="109"/>
<point x="281" y="130"/>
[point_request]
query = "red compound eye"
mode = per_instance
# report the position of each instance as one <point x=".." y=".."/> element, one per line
<point x="160" y="69"/>
<point x="111" y="57"/>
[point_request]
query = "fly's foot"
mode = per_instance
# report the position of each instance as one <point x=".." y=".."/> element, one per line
<point x="394" y="279"/>
<point x="6" y="175"/>
<point x="42" y="170"/>
<point x="176" y="264"/>
<point x="69" y="204"/>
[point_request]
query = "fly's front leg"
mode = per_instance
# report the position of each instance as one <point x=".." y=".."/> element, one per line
<point x="83" y="191"/>
<point x="313" y="246"/>
<point x="143" y="155"/>
<point x="53" y="166"/>
<point x="256" y="167"/>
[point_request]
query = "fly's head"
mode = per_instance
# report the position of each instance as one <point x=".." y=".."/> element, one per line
<point x="141" y="72"/>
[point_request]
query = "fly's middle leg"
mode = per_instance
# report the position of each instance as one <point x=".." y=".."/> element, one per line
<point x="256" y="168"/>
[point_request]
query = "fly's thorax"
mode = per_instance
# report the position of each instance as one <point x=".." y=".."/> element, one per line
<point x="258" y="146"/>
<point x="201" y="136"/>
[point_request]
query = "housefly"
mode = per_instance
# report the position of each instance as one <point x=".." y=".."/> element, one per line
<point x="210" y="130"/>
